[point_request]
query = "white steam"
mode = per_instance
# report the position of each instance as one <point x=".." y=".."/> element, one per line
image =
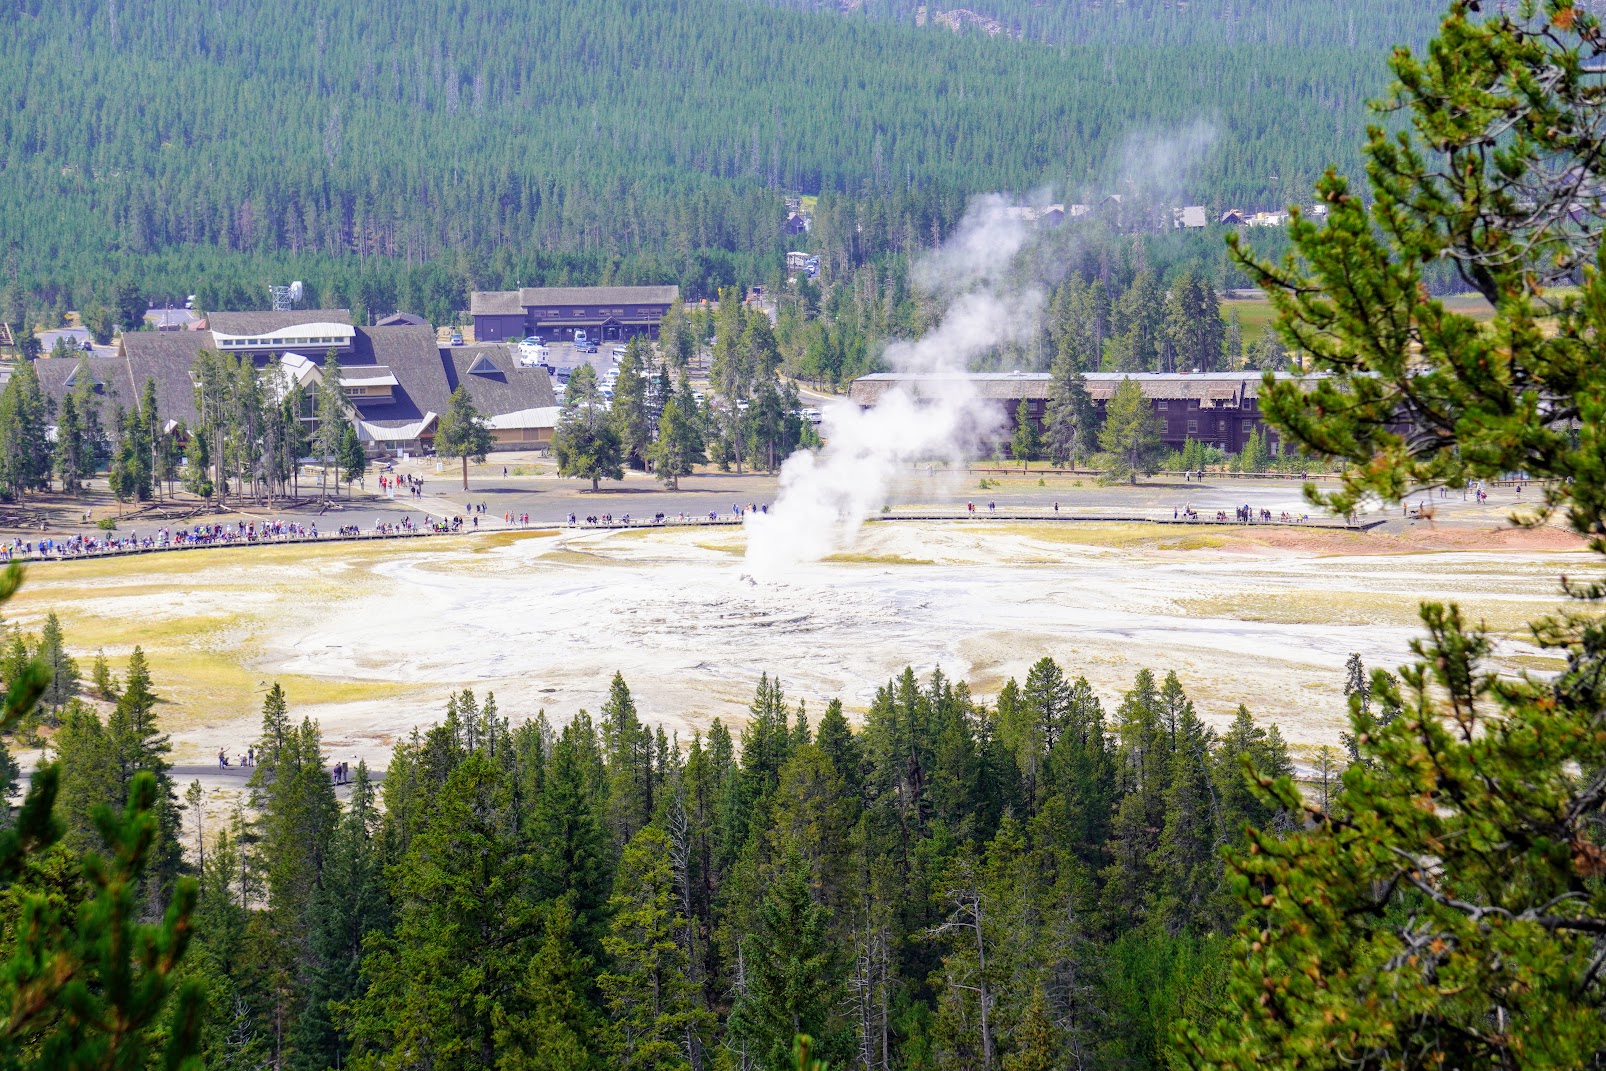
<point x="825" y="496"/>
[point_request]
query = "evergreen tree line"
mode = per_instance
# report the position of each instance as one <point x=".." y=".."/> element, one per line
<point x="1019" y="884"/>
<point x="627" y="145"/>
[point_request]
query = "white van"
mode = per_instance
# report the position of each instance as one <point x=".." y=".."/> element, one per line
<point x="532" y="354"/>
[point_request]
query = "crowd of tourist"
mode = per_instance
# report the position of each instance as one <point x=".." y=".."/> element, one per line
<point x="88" y="544"/>
<point x="412" y="485"/>
<point x="85" y="544"/>
<point x="738" y="511"/>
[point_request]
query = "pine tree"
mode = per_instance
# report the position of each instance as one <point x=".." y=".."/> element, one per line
<point x="793" y="982"/>
<point x="347" y="904"/>
<point x="63" y="669"/>
<point x="153" y="436"/>
<point x="585" y="442"/>
<point x="628" y="748"/>
<point x="1263" y="751"/>
<point x="656" y="1018"/>
<point x="135" y="746"/>
<point x="1185" y="864"/>
<point x="88" y="984"/>
<point x="1440" y="913"/>
<point x="463" y="432"/>
<point x="69" y="461"/>
<point x="630" y="413"/>
<point x="569" y="828"/>
<point x="329" y="404"/>
<point x="443" y="987"/>
<point x="353" y="458"/>
<point x="1070" y="420"/>
<point x="88" y="774"/>
<point x="561" y="1031"/>
<point x="24" y="449"/>
<point x="1033" y="1046"/>
<point x="1142" y="765"/>
<point x="1026" y="442"/>
<point x="679" y="446"/>
<point x="296" y="825"/>
<point x="1131" y="434"/>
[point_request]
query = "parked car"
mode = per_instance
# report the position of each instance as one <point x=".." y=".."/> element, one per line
<point x="456" y="338"/>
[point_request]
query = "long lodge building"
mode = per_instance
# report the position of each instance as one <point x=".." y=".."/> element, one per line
<point x="1220" y="409"/>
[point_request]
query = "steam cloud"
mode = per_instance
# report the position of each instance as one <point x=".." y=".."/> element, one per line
<point x="825" y="496"/>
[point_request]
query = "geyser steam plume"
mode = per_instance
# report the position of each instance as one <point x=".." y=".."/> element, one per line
<point x="826" y="495"/>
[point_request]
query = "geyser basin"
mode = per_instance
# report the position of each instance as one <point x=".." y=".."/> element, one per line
<point x="370" y="640"/>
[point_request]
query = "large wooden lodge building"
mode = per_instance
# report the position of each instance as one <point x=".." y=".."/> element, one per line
<point x="396" y="380"/>
<point x="1220" y="409"/>
<point x="605" y="313"/>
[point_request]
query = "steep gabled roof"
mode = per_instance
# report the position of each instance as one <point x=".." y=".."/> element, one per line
<point x="413" y="359"/>
<point x="58" y="377"/>
<point x="504" y="388"/>
<point x="165" y="358"/>
<point x="402" y="319"/>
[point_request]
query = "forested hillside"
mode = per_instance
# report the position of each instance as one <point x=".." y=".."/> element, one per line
<point x="1186" y="24"/>
<point x="958" y="885"/>
<point x="195" y="142"/>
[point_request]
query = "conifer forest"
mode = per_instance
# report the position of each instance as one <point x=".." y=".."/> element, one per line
<point x="397" y="158"/>
<point x="955" y="884"/>
<point x="1018" y="872"/>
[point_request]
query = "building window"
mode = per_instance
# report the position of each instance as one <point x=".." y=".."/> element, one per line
<point x="1161" y="404"/>
<point x="1193" y="427"/>
<point x="1249" y="425"/>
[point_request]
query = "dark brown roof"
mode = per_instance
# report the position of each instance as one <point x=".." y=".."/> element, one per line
<point x="411" y="355"/>
<point x="501" y="386"/>
<point x="587" y="321"/>
<point x="58" y="378"/>
<point x="402" y="319"/>
<point x="532" y="296"/>
<point x="495" y="303"/>
<point x="260" y="323"/>
<point x="427" y="373"/>
<point x="165" y="358"/>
